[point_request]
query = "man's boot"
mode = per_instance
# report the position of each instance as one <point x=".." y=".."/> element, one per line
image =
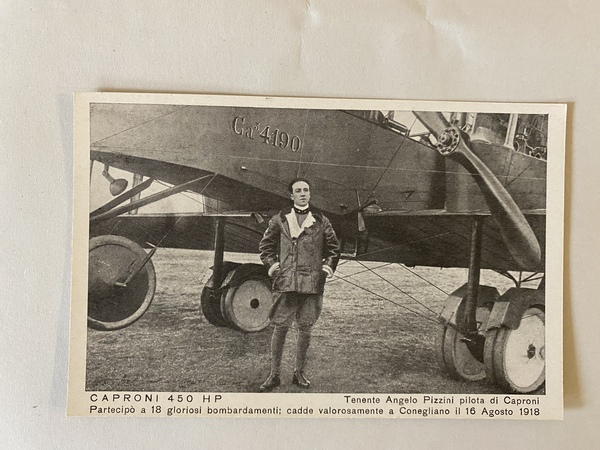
<point x="277" y="342"/>
<point x="301" y="350"/>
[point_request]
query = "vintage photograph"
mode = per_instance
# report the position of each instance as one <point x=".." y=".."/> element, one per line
<point x="338" y="249"/>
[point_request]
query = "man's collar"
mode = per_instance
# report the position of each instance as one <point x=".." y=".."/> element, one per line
<point x="301" y="209"/>
<point x="317" y="214"/>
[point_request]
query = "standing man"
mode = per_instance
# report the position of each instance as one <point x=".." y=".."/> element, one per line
<point x="300" y="250"/>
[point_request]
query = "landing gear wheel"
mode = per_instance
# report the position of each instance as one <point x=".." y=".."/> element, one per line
<point x="111" y="260"/>
<point x="517" y="357"/>
<point x="247" y="302"/>
<point x="488" y="355"/>
<point x="210" y="302"/>
<point x="454" y="356"/>
<point x="210" y="299"/>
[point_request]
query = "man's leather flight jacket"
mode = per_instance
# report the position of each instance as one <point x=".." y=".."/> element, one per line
<point x="301" y="260"/>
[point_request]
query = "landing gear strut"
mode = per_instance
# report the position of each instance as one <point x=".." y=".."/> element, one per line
<point x="485" y="335"/>
<point x="236" y="295"/>
<point x="460" y="346"/>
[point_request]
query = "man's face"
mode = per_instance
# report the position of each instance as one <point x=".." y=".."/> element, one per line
<point x="300" y="193"/>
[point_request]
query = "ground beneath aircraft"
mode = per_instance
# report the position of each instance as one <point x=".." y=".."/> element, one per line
<point x="362" y="342"/>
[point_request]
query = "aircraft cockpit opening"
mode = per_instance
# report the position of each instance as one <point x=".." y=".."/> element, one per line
<point x="525" y="133"/>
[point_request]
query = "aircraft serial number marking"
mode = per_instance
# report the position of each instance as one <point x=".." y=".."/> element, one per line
<point x="276" y="138"/>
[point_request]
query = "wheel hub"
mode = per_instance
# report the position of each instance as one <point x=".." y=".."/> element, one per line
<point x="246" y="306"/>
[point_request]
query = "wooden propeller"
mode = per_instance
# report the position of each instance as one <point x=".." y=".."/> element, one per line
<point x="514" y="228"/>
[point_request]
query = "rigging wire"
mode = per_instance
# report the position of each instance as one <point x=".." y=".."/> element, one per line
<point x="317" y="152"/>
<point x="139" y="125"/>
<point x="172" y="227"/>
<point x="400" y="289"/>
<point x="422" y="278"/>
<point x="533" y="277"/>
<point x="391" y="301"/>
<point x="166" y="249"/>
<point x="367" y="269"/>
<point x="392" y="159"/>
<point x="516" y="177"/>
<point x="402" y="244"/>
<point x="218" y="211"/>
<point x="302" y="148"/>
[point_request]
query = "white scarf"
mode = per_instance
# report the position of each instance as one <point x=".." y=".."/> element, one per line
<point x="295" y="229"/>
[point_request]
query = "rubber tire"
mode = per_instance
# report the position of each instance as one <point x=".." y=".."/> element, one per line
<point x="210" y="304"/>
<point x="142" y="286"/>
<point x="488" y="355"/>
<point x="496" y="360"/>
<point x="251" y="278"/>
<point x="456" y="358"/>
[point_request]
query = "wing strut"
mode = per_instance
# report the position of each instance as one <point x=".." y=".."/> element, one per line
<point x="146" y="200"/>
<point x="123" y="197"/>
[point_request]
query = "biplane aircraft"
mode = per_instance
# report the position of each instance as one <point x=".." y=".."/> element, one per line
<point x="468" y="191"/>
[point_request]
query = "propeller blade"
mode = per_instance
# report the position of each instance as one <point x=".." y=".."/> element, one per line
<point x="435" y="122"/>
<point x="514" y="228"/>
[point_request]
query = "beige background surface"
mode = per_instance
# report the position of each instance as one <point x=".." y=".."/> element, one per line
<point x="440" y="50"/>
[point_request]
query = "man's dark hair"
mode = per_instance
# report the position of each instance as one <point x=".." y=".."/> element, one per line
<point x="296" y="180"/>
